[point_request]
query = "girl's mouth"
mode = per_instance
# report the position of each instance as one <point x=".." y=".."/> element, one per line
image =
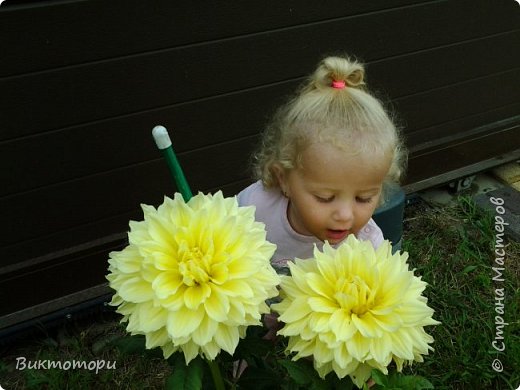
<point x="336" y="235"/>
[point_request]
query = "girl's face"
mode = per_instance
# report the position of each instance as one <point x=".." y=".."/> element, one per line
<point x="332" y="195"/>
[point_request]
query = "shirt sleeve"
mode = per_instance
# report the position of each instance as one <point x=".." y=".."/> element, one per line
<point x="244" y="197"/>
<point x="371" y="232"/>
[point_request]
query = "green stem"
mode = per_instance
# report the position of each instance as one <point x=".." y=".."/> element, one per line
<point x="177" y="173"/>
<point x="164" y="143"/>
<point x="217" y="376"/>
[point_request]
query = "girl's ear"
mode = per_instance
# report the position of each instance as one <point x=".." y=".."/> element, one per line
<point x="281" y="177"/>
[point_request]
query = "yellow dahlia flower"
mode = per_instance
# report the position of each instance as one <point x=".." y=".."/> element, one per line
<point x="194" y="275"/>
<point x="353" y="309"/>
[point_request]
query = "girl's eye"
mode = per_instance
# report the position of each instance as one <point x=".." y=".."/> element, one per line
<point x="324" y="199"/>
<point x="364" y="200"/>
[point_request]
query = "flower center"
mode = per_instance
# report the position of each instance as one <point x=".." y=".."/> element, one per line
<point x="354" y="295"/>
<point x="194" y="267"/>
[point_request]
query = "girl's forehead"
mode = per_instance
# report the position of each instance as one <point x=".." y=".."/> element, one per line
<point x="331" y="153"/>
<point x="321" y="159"/>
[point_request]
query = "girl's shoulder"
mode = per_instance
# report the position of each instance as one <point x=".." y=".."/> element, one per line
<point x="256" y="194"/>
<point x="247" y="193"/>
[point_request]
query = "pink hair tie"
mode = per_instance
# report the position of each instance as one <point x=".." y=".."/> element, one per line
<point x="338" y="84"/>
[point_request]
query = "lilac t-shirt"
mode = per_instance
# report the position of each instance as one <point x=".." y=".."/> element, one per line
<point x="271" y="209"/>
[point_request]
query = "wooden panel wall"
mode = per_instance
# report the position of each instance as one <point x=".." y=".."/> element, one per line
<point x="83" y="82"/>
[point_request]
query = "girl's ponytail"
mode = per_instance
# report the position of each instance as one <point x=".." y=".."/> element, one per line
<point x="334" y="69"/>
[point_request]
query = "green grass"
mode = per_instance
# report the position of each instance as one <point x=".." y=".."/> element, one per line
<point x="451" y="247"/>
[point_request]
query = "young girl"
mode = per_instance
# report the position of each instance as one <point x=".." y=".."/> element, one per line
<point x="323" y="163"/>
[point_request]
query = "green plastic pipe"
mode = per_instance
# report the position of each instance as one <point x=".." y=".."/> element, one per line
<point x="163" y="142"/>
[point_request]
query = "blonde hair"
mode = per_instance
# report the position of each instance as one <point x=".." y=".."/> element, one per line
<point x="349" y="118"/>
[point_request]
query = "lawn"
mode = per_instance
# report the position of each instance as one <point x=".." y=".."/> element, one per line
<point x="452" y="247"/>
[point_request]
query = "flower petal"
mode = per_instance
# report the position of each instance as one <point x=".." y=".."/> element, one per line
<point x="205" y="331"/>
<point x="341" y="325"/>
<point x="298" y="309"/>
<point x="366" y="325"/>
<point x="155" y="317"/>
<point x="184" y="321"/>
<point x="196" y="295"/>
<point x="319" y="285"/>
<point x="227" y="338"/>
<point x="217" y="305"/>
<point x="136" y="290"/>
<point x="322" y="305"/>
<point x="166" y="284"/>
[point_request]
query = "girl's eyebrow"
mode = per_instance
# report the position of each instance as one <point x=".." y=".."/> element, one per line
<point x="320" y="187"/>
<point x="374" y="190"/>
<point x="365" y="192"/>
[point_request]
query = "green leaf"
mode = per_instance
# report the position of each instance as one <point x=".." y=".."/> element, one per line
<point x="412" y="382"/>
<point x="303" y="374"/>
<point x="379" y="378"/>
<point x="336" y="383"/>
<point x="322" y="385"/>
<point x="423" y="383"/>
<point x="131" y="345"/>
<point x="468" y="269"/>
<point x="253" y="345"/>
<point x="298" y="372"/>
<point x="186" y="377"/>
<point x="258" y="379"/>
<point x="36" y="379"/>
<point x="398" y="381"/>
<point x="104" y="342"/>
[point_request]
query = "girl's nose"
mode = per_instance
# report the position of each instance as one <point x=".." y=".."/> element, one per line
<point x="343" y="213"/>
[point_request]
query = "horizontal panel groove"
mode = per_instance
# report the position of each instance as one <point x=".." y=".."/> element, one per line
<point x="203" y="44"/>
<point x="47" y="247"/>
<point x="59" y="254"/>
<point x="425" y="182"/>
<point x="181" y="155"/>
<point x="464" y="131"/>
<point x="242" y="183"/>
<point x="56" y="281"/>
<point x="511" y="71"/>
<point x="10" y="197"/>
<point x="445" y="65"/>
<point x="204" y="24"/>
<point x="232" y="93"/>
<point x="61" y="262"/>
<point x="503" y="34"/>
<point x="463" y="137"/>
<point x="31" y="313"/>
<point x="259" y="34"/>
<point x="15" y="256"/>
<point x="65" y="205"/>
<point x="443" y="105"/>
<point x="15" y="5"/>
<point x="451" y="158"/>
<point x="510" y="131"/>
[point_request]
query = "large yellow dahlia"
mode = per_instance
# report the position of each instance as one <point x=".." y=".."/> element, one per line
<point x="353" y="309"/>
<point x="194" y="275"/>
